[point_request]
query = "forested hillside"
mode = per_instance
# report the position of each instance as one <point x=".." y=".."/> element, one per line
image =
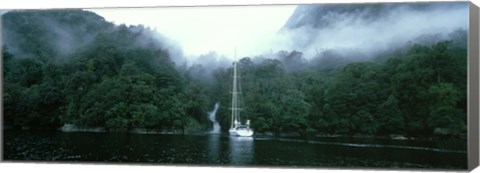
<point x="73" y="67"/>
<point x="417" y="91"/>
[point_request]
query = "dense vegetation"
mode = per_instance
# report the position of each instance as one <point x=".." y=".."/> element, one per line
<point x="419" y="91"/>
<point x="112" y="76"/>
<point x="119" y="78"/>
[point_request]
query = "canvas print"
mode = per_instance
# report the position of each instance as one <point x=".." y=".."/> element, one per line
<point x="359" y="85"/>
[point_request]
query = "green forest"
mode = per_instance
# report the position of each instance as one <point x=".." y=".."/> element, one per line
<point x="119" y="77"/>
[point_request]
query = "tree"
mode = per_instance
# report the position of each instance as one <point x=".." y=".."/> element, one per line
<point x="390" y="116"/>
<point x="443" y="112"/>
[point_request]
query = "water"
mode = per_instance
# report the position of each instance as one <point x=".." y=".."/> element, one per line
<point x="211" y="116"/>
<point x="217" y="149"/>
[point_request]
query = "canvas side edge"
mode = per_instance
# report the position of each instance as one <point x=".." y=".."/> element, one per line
<point x="473" y="87"/>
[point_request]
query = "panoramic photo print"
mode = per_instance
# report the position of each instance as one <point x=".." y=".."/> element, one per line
<point x="355" y="85"/>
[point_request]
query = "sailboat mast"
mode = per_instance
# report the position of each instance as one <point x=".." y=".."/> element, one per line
<point x="233" y="97"/>
<point x="234" y="92"/>
<point x="235" y="108"/>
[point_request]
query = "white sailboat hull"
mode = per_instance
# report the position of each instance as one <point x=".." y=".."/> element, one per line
<point x="241" y="132"/>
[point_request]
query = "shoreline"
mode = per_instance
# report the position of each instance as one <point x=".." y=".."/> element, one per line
<point x="73" y="128"/>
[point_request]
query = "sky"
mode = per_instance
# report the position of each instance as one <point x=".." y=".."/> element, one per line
<point x="200" y="30"/>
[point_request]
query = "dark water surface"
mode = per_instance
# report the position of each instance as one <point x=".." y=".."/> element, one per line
<point x="214" y="149"/>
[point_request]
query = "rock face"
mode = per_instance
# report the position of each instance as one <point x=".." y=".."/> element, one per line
<point x="322" y="16"/>
<point x="326" y="15"/>
<point x="332" y="34"/>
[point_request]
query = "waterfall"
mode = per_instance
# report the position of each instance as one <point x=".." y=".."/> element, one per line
<point x="211" y="116"/>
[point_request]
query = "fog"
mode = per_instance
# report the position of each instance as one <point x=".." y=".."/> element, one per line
<point x="209" y="35"/>
<point x="203" y="66"/>
<point x="205" y="38"/>
<point x="200" y="30"/>
<point x="369" y="29"/>
<point x="58" y="39"/>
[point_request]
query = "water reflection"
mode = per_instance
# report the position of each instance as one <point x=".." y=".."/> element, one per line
<point x="241" y="150"/>
<point x="221" y="149"/>
<point x="214" y="147"/>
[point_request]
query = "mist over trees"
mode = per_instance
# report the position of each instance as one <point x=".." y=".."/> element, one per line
<point x="72" y="67"/>
<point x="411" y="92"/>
<point x="119" y="77"/>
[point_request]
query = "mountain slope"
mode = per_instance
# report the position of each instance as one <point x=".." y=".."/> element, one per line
<point x="73" y="67"/>
<point x="372" y="28"/>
